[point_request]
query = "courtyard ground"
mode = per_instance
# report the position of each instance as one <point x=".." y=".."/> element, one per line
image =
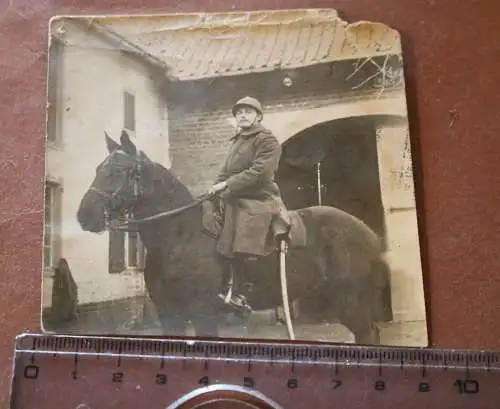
<point x="130" y="319"/>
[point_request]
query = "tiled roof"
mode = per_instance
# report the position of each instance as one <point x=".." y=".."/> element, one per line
<point x="209" y="45"/>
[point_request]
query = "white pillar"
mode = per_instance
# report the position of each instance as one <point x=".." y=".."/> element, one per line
<point x="403" y="253"/>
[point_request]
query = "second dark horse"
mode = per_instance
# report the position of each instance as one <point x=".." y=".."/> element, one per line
<point x="183" y="275"/>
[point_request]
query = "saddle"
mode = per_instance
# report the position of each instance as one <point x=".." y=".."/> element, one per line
<point x="296" y="236"/>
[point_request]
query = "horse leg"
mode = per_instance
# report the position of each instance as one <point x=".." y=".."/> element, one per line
<point x="350" y="285"/>
<point x="207" y="325"/>
<point x="171" y="321"/>
<point x="362" y="326"/>
<point x="355" y="313"/>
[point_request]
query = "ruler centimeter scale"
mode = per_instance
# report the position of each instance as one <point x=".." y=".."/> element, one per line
<point x="110" y="372"/>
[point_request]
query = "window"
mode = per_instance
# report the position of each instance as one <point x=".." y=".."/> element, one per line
<point x="129" y="111"/>
<point x="51" y="242"/>
<point x="116" y="257"/>
<point x="131" y="246"/>
<point x="135" y="251"/>
<point x="126" y="250"/>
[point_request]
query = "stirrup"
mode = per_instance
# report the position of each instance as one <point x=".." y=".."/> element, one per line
<point x="226" y="296"/>
<point x="235" y="300"/>
<point x="238" y="303"/>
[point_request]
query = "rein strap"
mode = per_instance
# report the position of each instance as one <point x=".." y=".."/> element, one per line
<point x="169" y="213"/>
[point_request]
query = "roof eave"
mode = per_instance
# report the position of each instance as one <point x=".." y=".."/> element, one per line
<point x="125" y="45"/>
<point x="259" y="70"/>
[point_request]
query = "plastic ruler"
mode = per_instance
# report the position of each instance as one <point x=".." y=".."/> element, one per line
<point x="69" y="372"/>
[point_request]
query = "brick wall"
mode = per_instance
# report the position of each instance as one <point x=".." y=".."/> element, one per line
<point x="200" y="117"/>
<point x="198" y="144"/>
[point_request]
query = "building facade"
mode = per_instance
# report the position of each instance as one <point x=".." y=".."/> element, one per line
<point x="94" y="88"/>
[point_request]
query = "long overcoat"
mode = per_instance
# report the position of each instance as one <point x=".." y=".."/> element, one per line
<point x="253" y="209"/>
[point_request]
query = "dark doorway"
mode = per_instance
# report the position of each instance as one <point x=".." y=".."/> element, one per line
<point x="347" y="178"/>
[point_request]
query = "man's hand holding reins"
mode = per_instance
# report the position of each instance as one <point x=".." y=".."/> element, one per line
<point x="217" y="188"/>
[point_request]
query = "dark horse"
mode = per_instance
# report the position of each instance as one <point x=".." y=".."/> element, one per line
<point x="183" y="274"/>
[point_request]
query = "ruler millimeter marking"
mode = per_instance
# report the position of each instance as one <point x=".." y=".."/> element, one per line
<point x="116" y="372"/>
<point x="292" y="353"/>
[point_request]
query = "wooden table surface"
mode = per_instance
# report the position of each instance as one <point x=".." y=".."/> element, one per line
<point x="452" y="61"/>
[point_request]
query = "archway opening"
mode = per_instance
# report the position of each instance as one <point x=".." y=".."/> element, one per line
<point x="335" y="163"/>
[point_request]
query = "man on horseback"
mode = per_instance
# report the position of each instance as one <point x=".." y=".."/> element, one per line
<point x="254" y="214"/>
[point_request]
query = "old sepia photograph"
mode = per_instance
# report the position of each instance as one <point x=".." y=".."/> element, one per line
<point x="233" y="174"/>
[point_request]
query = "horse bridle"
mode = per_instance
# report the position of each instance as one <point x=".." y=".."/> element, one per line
<point x="137" y="194"/>
<point x="112" y="196"/>
<point x="134" y="174"/>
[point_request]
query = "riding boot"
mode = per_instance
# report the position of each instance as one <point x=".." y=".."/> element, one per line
<point x="225" y="263"/>
<point x="238" y="302"/>
<point x="243" y="269"/>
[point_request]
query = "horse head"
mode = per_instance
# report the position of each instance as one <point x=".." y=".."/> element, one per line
<point x="121" y="180"/>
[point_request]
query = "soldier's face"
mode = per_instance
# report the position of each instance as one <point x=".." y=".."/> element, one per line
<point x="246" y="117"/>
